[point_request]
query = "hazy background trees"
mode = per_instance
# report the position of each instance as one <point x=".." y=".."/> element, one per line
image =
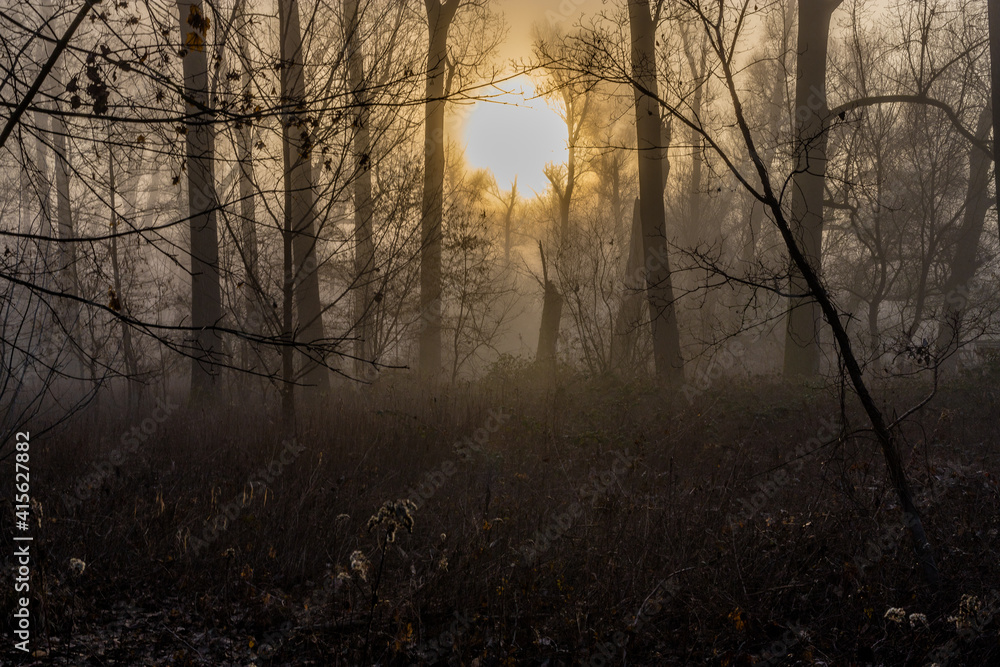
<point x="276" y="193"/>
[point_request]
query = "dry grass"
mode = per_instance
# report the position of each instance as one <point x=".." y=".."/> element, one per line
<point x="599" y="524"/>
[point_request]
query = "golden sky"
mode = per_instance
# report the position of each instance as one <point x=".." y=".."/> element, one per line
<point x="522" y="15"/>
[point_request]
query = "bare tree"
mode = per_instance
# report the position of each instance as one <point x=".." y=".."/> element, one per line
<point x="802" y="346"/>
<point x="994" y="21"/>
<point x="576" y="108"/>
<point x="439" y="19"/>
<point x="659" y="290"/>
<point x="364" y="250"/>
<point x="206" y="300"/>
<point x="300" y="195"/>
<point x="965" y="262"/>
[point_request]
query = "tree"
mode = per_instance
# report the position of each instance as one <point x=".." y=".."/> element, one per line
<point x="439" y="19"/>
<point x="802" y="348"/>
<point x="364" y="250"/>
<point x="993" y="7"/>
<point x="247" y="245"/>
<point x="300" y="197"/>
<point x="576" y="108"/>
<point x="206" y="299"/>
<point x="66" y="269"/>
<point x="965" y="262"/>
<point x="659" y="290"/>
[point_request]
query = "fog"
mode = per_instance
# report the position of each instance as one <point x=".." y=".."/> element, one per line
<point x="500" y="332"/>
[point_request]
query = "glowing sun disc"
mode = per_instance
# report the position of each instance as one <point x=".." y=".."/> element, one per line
<point x="515" y="135"/>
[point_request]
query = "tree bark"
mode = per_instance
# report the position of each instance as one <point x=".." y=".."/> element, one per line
<point x="883" y="432"/>
<point x="206" y="300"/>
<point x="548" y="332"/>
<point x="659" y="291"/>
<point x="508" y="222"/>
<point x="802" y="351"/>
<point x="439" y="19"/>
<point x="994" y="20"/>
<point x="248" y="210"/>
<point x="65" y="262"/>
<point x="629" y="315"/>
<point x="964" y="264"/>
<point x="118" y="296"/>
<point x="364" y="249"/>
<point x="300" y="197"/>
<point x="551" y="305"/>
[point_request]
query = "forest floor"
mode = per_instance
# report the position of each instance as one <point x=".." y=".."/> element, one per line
<point x="601" y="524"/>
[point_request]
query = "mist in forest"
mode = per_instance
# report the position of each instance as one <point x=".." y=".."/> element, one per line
<point x="440" y="332"/>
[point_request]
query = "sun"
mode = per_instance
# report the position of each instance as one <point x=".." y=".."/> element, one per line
<point x="515" y="134"/>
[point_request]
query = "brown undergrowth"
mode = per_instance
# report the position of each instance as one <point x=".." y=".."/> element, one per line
<point x="601" y="523"/>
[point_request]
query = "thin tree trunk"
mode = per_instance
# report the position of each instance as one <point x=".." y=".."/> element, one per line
<point x="697" y="231"/>
<point x="964" y="264"/>
<point x="248" y="208"/>
<point x="548" y="332"/>
<point x="887" y="441"/>
<point x="364" y="249"/>
<point x="802" y="351"/>
<point x="287" y="328"/>
<point x="206" y="300"/>
<point x="439" y="18"/>
<point x="118" y="296"/>
<point x="43" y="190"/>
<point x="552" y="300"/>
<point x="666" y="338"/>
<point x="883" y="433"/>
<point x="994" y="20"/>
<point x="300" y="197"/>
<point x="508" y="222"/>
<point x="627" y="319"/>
<point x="64" y="264"/>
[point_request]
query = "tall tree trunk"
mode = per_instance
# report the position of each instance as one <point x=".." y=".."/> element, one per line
<point x="300" y="197"/>
<point x="698" y="230"/>
<point x="287" y="328"/>
<point x="994" y="20"/>
<point x="552" y="300"/>
<point x="883" y="432"/>
<point x="43" y="190"/>
<point x="964" y="264"/>
<point x="364" y="249"/>
<point x="627" y="319"/>
<point x="508" y="222"/>
<point x="248" y="207"/>
<point x="802" y="351"/>
<point x="64" y="212"/>
<point x="118" y="296"/>
<point x="439" y="18"/>
<point x="206" y="300"/>
<point x="64" y="264"/>
<point x="548" y="331"/>
<point x="659" y="291"/>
